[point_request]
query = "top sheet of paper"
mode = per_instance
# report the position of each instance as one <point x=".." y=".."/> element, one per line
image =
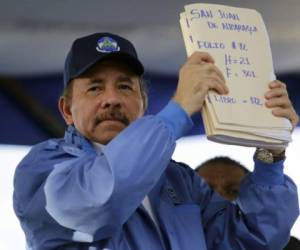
<point x="238" y="41"/>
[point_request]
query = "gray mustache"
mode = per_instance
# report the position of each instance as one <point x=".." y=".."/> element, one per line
<point x="112" y="114"/>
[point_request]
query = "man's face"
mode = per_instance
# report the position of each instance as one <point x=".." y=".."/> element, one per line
<point x="223" y="179"/>
<point x="104" y="101"/>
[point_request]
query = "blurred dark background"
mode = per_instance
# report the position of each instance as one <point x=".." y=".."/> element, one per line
<point x="35" y="36"/>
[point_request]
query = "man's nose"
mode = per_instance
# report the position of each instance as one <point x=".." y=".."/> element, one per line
<point x="110" y="98"/>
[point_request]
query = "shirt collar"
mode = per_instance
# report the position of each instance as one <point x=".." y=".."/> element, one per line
<point x="72" y="136"/>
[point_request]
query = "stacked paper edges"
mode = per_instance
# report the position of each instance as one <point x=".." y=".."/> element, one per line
<point x="238" y="41"/>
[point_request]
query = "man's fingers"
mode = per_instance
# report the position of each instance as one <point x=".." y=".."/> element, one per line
<point x="276" y="92"/>
<point x="287" y="113"/>
<point x="207" y="65"/>
<point x="200" y="57"/>
<point x="214" y="70"/>
<point x="196" y="77"/>
<point x="214" y="73"/>
<point x="214" y="82"/>
<point x="277" y="84"/>
<point x="282" y="101"/>
<point x="277" y="89"/>
<point x="208" y="74"/>
<point x="218" y="85"/>
<point x="278" y="99"/>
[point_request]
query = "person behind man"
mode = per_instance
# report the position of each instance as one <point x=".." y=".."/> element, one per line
<point x="110" y="182"/>
<point x="224" y="175"/>
<point x="294" y="244"/>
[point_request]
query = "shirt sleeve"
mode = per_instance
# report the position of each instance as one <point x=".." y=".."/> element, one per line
<point x="176" y="119"/>
<point x="261" y="218"/>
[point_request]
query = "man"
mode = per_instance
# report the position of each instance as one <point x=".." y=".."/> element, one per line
<point x="110" y="182"/>
<point x="223" y="175"/>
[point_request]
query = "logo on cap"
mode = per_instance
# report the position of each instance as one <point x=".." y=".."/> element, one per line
<point x="107" y="45"/>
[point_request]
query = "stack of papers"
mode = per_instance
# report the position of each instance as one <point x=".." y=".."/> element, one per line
<point x="238" y="41"/>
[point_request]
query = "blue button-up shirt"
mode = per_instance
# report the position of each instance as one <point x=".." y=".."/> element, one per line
<point x="70" y="196"/>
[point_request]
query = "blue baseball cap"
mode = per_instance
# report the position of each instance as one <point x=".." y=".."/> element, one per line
<point x="88" y="50"/>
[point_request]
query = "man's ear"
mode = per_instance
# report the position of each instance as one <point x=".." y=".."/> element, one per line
<point x="64" y="107"/>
